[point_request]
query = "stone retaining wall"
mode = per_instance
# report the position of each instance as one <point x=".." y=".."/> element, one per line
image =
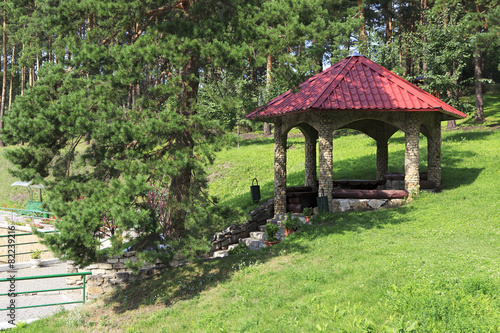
<point x="354" y="205"/>
<point x="113" y="273"/>
<point x="233" y="233"/>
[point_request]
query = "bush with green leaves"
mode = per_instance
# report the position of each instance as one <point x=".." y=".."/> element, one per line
<point x="36" y="254"/>
<point x="242" y="248"/>
<point x="291" y="223"/>
<point x="308" y="211"/>
<point x="271" y="231"/>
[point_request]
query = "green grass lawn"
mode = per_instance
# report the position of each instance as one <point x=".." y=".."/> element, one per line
<point x="10" y="196"/>
<point x="430" y="266"/>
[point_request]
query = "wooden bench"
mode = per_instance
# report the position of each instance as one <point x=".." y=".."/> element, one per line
<point x="362" y="184"/>
<point x="300" y="197"/>
<point x="425" y="184"/>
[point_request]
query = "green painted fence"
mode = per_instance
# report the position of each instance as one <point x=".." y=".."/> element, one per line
<point x="83" y="274"/>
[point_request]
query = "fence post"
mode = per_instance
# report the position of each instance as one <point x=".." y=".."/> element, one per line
<point x="83" y="289"/>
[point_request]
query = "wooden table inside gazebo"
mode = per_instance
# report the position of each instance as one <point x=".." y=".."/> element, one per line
<point x="359" y="94"/>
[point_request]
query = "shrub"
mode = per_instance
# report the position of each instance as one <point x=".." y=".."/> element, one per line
<point x="292" y="223"/>
<point x="271" y="231"/>
<point x="242" y="248"/>
<point x="308" y="211"/>
<point x="36" y="254"/>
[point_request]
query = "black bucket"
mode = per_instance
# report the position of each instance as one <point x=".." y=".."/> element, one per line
<point x="323" y="203"/>
<point x="255" y="191"/>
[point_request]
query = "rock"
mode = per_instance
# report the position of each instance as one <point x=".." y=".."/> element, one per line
<point x="359" y="205"/>
<point x="220" y="254"/>
<point x="108" y="287"/>
<point x="392" y="203"/>
<point x="98" y="271"/>
<point x="376" y="203"/>
<point x="341" y="205"/>
<point x="119" y="265"/>
<point x="96" y="291"/>
<point x="229" y="230"/>
<point x="123" y="276"/>
<point x="94" y="266"/>
<point x="232" y="246"/>
<point x="129" y="254"/>
<point x="105" y="266"/>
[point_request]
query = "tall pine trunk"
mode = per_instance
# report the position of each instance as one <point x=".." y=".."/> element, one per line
<point x="478" y="85"/>
<point x="388" y="24"/>
<point x="11" y="88"/>
<point x="362" y="27"/>
<point x="180" y="185"/>
<point x="23" y="79"/>
<point x="267" y="127"/>
<point x="452" y="124"/>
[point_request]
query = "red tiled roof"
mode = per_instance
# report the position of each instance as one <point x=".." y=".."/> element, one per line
<point x="355" y="83"/>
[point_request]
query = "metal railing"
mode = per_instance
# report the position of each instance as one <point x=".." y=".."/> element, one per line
<point x="33" y="213"/>
<point x="83" y="274"/>
<point x="19" y="244"/>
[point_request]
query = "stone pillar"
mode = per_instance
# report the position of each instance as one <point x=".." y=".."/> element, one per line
<point x="434" y="152"/>
<point x="311" y="177"/>
<point x="279" y="169"/>
<point x="325" y="176"/>
<point x="382" y="153"/>
<point x="412" y="176"/>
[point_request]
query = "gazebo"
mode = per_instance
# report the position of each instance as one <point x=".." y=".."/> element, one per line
<point x="355" y="93"/>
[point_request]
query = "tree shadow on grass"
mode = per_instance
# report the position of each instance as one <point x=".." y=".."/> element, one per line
<point x="460" y="135"/>
<point x="453" y="174"/>
<point x="457" y="177"/>
<point x="342" y="223"/>
<point x="464" y="136"/>
<point x="187" y="282"/>
<point x="257" y="141"/>
<point x="182" y="283"/>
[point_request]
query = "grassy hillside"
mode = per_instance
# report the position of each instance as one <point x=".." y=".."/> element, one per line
<point x="10" y="196"/>
<point x="431" y="266"/>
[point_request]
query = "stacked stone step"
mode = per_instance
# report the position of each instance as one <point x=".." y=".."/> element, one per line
<point x="256" y="239"/>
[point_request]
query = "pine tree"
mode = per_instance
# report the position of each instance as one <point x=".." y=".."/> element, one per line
<point x="131" y="87"/>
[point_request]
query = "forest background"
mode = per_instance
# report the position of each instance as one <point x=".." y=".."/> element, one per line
<point x="117" y="107"/>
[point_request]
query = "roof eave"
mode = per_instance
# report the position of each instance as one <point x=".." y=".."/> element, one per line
<point x="447" y="115"/>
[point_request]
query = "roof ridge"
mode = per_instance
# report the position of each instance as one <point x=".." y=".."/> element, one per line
<point x="320" y="96"/>
<point x="388" y="74"/>
<point x="290" y="91"/>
